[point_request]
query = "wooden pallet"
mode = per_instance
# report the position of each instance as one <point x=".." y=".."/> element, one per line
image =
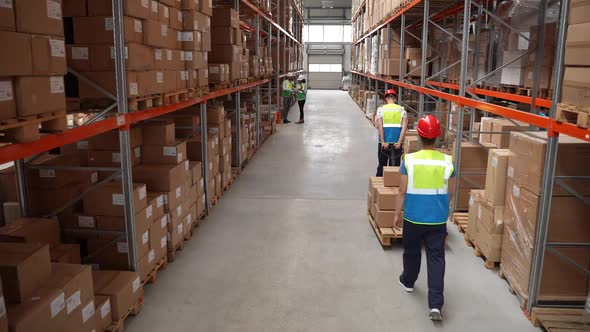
<point x="175" y="97"/>
<point x="172" y="253"/>
<point x="385" y="234"/>
<point x="513" y="287"/>
<point x="573" y="114"/>
<point x="28" y="128"/>
<point x="118" y="326"/>
<point x="219" y="85"/>
<point x="153" y="275"/>
<point x="460" y="219"/>
<point x="144" y="102"/>
<point x="488" y="264"/>
<point x="560" y="319"/>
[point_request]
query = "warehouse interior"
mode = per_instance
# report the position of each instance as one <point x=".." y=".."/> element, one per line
<point x="156" y="173"/>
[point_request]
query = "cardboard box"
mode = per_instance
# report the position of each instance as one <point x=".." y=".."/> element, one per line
<point x="24" y="267"/>
<point x="225" y="17"/>
<point x="7" y="17"/>
<point x="158" y="235"/>
<point x="490" y="217"/>
<point x="386" y="198"/>
<point x="19" y="60"/>
<point x="391" y="176"/>
<point x="99" y="30"/>
<point x="163" y="14"/>
<point x="146" y="264"/>
<point x="82" y="319"/>
<point x="102" y="57"/>
<point x="110" y="140"/>
<point x="45" y="310"/>
<point x="382" y="218"/>
<point x="226" y="54"/>
<point x="576" y="90"/>
<point x="49" y="178"/>
<point x="143" y="220"/>
<point x="158" y="133"/>
<point x="122" y="287"/>
<point x="7" y="101"/>
<point x="190" y="4"/>
<point x="206" y="7"/>
<point x="106" y="80"/>
<point x="577" y="47"/>
<point x="473" y="155"/>
<point x="161" y="178"/>
<point x="31" y="230"/>
<point x="108" y="200"/>
<point x="66" y="253"/>
<point x="106" y="158"/>
<point x="156" y="201"/>
<point x="489" y="243"/>
<point x="206" y="41"/>
<point x="103" y="311"/>
<point x="504" y="126"/>
<point x="196" y="171"/>
<point x="175" y="233"/>
<point x="134" y="8"/>
<point x="195" y="21"/>
<point x="223" y="36"/>
<point x="495" y="188"/>
<point x="475" y="198"/>
<point x="164" y="155"/>
<point x="191" y="40"/>
<point x="158" y="34"/>
<point x="175" y="19"/>
<point x="40" y="205"/>
<point x="39" y="94"/>
<point x="40" y="17"/>
<point x="76" y="282"/>
<point x="579" y="12"/>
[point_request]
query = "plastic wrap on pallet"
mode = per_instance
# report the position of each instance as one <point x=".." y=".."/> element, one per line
<point x="522" y="14"/>
<point x="367" y="54"/>
<point x="374" y="55"/>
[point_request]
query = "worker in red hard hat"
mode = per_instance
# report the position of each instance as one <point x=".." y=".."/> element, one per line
<point x="425" y="192"/>
<point x="391" y="121"/>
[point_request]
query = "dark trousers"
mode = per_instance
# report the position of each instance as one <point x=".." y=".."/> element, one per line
<point x="388" y="157"/>
<point x="301" y="104"/>
<point x="433" y="237"/>
<point x="287" y="103"/>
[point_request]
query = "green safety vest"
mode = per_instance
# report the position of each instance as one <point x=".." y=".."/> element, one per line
<point x="301" y="91"/>
<point x="392" y="122"/>
<point x="287" y="88"/>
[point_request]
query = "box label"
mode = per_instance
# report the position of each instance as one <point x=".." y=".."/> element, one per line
<point x="105" y="309"/>
<point x="133" y="90"/>
<point x="58" y="304"/>
<point x="189" y="219"/>
<point x="169" y="151"/>
<point x="145" y="237"/>
<point x="54" y="10"/>
<point x="86" y="222"/>
<point x="5" y="3"/>
<point x="183" y="74"/>
<point x="6" y="91"/>
<point x="160" y="77"/>
<point x="158" y="54"/>
<point x="179" y="229"/>
<point x="122" y="247"/>
<point x="145" y="3"/>
<point x="479" y="212"/>
<point x="163" y="221"/>
<point x="94" y="177"/>
<point x="179" y="210"/>
<point x="47" y="173"/>
<point x="179" y="157"/>
<point x="494" y="162"/>
<point x="118" y="199"/>
<point x="73" y="302"/>
<point x="116" y="157"/>
<point x="179" y="16"/>
<point x="187" y="36"/>
<point x="56" y="84"/>
<point x="166" y="12"/>
<point x="164" y="30"/>
<point x="188" y="56"/>
<point x="510" y="172"/>
<point x="178" y="192"/>
<point x="186" y="165"/>
<point x="169" y="56"/>
<point x="159" y="201"/>
<point x="167" y="237"/>
<point x="58" y="48"/>
<point x="516" y="191"/>
<point x="79" y="53"/>
<point x="214" y="70"/>
<point x="142" y="193"/>
<point x="149" y="211"/>
<point x="151" y="256"/>
<point x="108" y="24"/>
<point x="137" y="152"/>
<point x="87" y="312"/>
<point x="154" y="6"/>
<point x="164" y="241"/>
<point x="136" y="284"/>
<point x="137" y="25"/>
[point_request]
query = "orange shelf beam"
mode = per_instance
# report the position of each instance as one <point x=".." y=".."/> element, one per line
<point x="539" y="102"/>
<point x="358" y="11"/>
<point x="269" y="19"/>
<point x="553" y="126"/>
<point x="14" y="152"/>
<point x="389" y="20"/>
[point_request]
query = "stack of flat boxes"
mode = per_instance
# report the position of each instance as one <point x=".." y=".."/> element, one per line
<point x="154" y="47"/>
<point x="220" y="128"/>
<point x="227" y="41"/>
<point x="244" y="137"/>
<point x="196" y="40"/>
<point x="195" y="154"/>
<point x="166" y="171"/>
<point x="389" y="63"/>
<point x="567" y="220"/>
<point x="495" y="131"/>
<point x="31" y="74"/>
<point x="383" y="196"/>
<point x="575" y="81"/>
<point x="517" y="45"/>
<point x="474" y="160"/>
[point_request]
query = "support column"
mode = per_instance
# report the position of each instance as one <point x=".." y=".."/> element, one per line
<point x="21" y="187"/>
<point x="422" y="99"/>
<point x="205" y="153"/>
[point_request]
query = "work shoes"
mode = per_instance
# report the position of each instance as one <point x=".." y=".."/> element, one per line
<point x="300" y="122"/>
<point x="435" y="315"/>
<point x="404" y="287"/>
<point x="286" y="121"/>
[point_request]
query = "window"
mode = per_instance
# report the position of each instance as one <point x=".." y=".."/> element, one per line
<point x="314" y="68"/>
<point x="347" y="34"/>
<point x="316" y="33"/>
<point x="327" y="33"/>
<point x="333" y="33"/>
<point x="325" y="68"/>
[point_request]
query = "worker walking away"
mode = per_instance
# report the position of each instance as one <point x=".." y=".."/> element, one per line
<point x="425" y="192"/>
<point x="301" y="95"/>
<point x="391" y="121"/>
<point x="287" y="97"/>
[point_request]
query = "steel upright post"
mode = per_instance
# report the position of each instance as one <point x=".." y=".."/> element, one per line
<point x="402" y="38"/>
<point x="21" y="187"/>
<point x="124" y="138"/>
<point x="539" y="55"/>
<point x="422" y="98"/>
<point x="257" y="42"/>
<point x="549" y="167"/>
<point x="205" y="153"/>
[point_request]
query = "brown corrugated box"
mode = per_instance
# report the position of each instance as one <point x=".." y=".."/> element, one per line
<point x="203" y="77"/>
<point x="382" y="218"/>
<point x="489" y="243"/>
<point x="110" y="140"/>
<point x="107" y="158"/>
<point x="163" y="14"/>
<point x="19" y="60"/>
<point x="39" y="94"/>
<point x="175" y="19"/>
<point x="577" y="47"/>
<point x="225" y="17"/>
<point x="48" y="178"/>
<point x="490" y="217"/>
<point x="106" y="80"/>
<point x="76" y="282"/>
<point x="206" y="41"/>
<point x="158" y="133"/>
<point x="122" y="287"/>
<point x="154" y="8"/>
<point x="173" y="198"/>
<point x="66" y="253"/>
<point x="134" y="8"/>
<point x="161" y="177"/>
<point x="143" y="219"/>
<point x="31" y="230"/>
<point x="99" y="30"/>
<point x="158" y="231"/>
<point x="158" y="34"/>
<point x="195" y="171"/>
<point x="191" y="40"/>
<point x="475" y="197"/>
<point x="175" y="233"/>
<point x="108" y="199"/>
<point x="7" y="17"/>
<point x="39" y="16"/>
<point x="40" y="205"/>
<point x="146" y="264"/>
<point x="46" y="312"/>
<point x="495" y="188"/>
<point x="576" y="88"/>
<point x="504" y="125"/>
<point x="103" y="311"/>
<point x="83" y="319"/>
<point x="156" y="201"/>
<point x="24" y="267"/>
<point x="190" y="4"/>
<point x="226" y="54"/>
<point x="386" y="198"/>
<point x="7" y="101"/>
<point x="579" y="12"/>
<point x="391" y="176"/>
<point x="215" y="115"/>
<point x="102" y="57"/>
<point x="78" y="57"/>
<point x="164" y="154"/>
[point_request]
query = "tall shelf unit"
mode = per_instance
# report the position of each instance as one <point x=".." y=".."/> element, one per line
<point x="456" y="22"/>
<point x="262" y="20"/>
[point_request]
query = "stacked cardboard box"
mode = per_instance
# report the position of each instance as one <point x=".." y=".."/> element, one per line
<point x="227" y="41"/>
<point x="495" y="132"/>
<point x="389" y="54"/>
<point x="165" y="48"/>
<point x="473" y="165"/>
<point x="515" y="47"/>
<point x="220" y="129"/>
<point x="575" y="81"/>
<point x="383" y="196"/>
<point x="567" y="220"/>
<point x="31" y="74"/>
<point x="545" y="75"/>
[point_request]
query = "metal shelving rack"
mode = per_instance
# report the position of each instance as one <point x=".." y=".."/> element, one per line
<point x="22" y="154"/>
<point x="470" y="97"/>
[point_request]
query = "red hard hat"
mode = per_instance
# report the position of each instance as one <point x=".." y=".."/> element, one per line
<point x="429" y="127"/>
<point x="390" y="92"/>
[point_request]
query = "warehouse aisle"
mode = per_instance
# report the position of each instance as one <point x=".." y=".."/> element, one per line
<point x="289" y="248"/>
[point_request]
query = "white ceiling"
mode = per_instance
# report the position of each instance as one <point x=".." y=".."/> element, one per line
<point x="318" y="3"/>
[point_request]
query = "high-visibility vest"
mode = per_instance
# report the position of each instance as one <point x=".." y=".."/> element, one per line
<point x="427" y="195"/>
<point x="301" y="92"/>
<point x="287" y="88"/>
<point x="392" y="122"/>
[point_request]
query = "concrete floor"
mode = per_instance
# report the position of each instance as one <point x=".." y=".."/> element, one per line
<point x="289" y="248"/>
